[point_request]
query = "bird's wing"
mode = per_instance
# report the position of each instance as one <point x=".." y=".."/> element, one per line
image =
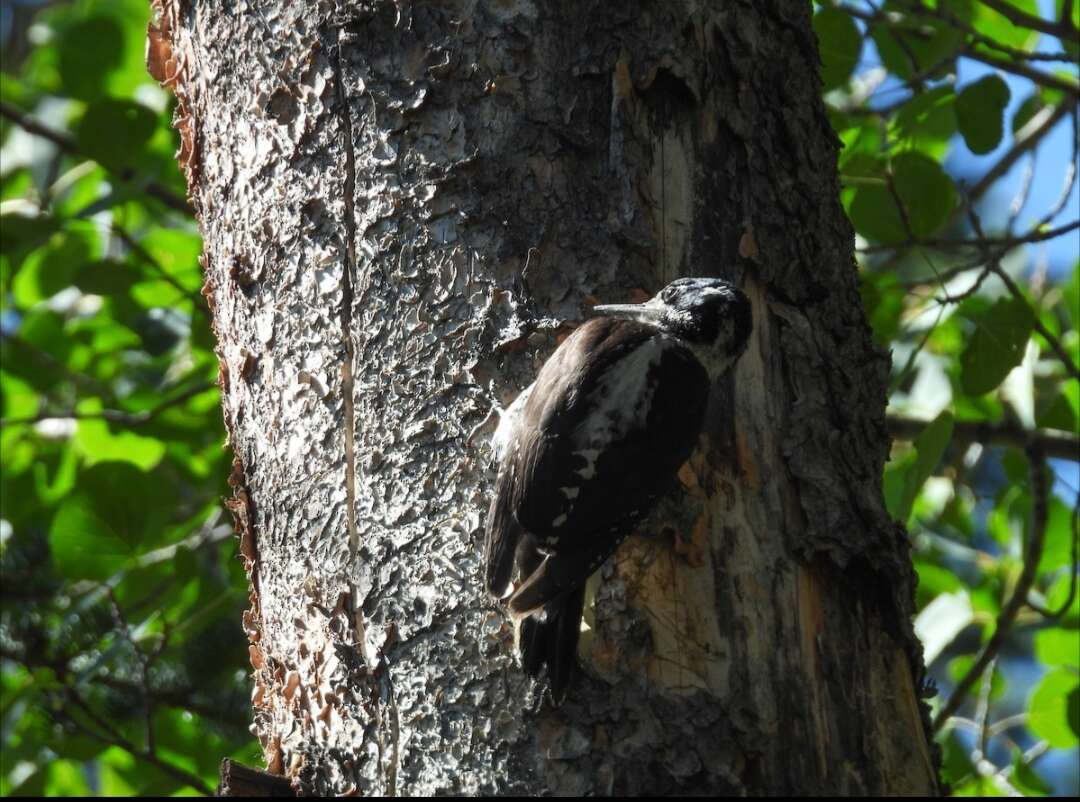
<point x="501" y="538"/>
<point x="578" y="483"/>
<point x="553" y="401"/>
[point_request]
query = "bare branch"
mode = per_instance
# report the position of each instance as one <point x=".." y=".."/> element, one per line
<point x="1049" y="80"/>
<point x="1062" y="29"/>
<point x="1053" y="442"/>
<point x="1031" y="237"/>
<point x="1024" y="140"/>
<point x="115" y="415"/>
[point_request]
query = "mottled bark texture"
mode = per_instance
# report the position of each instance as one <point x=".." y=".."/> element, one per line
<point x="405" y="206"/>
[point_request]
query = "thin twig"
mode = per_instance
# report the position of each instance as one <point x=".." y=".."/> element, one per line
<point x="115" y="415"/>
<point x="1035" y="235"/>
<point x="1062" y="29"/>
<point x="68" y="144"/>
<point x="1053" y="442"/>
<point x="148" y="258"/>
<point x="1024" y="140"/>
<point x="994" y="263"/>
<point x="122" y="626"/>
<point x="113" y="737"/>
<point x="1040" y="500"/>
<point x="1074" y="571"/>
<point x="982" y="716"/>
<point x="959" y="24"/>
<point x="1046" y="79"/>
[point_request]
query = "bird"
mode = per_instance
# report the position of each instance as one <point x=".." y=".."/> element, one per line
<point x="586" y="451"/>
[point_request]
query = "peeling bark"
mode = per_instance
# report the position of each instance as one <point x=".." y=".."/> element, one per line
<point x="405" y="206"/>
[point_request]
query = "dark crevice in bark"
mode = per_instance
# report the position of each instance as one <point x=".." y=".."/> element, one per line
<point x="347" y="275"/>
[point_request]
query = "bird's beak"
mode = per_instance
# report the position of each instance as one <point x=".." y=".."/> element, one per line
<point x="648" y="312"/>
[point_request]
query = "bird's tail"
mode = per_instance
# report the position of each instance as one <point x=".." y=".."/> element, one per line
<point x="550" y="638"/>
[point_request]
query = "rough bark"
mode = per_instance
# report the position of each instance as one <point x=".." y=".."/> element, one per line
<point x="405" y="206"/>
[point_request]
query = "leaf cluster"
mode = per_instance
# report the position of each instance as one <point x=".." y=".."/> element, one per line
<point x="122" y="659"/>
<point x="944" y="111"/>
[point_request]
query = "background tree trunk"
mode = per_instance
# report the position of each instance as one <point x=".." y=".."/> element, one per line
<point x="405" y="206"/>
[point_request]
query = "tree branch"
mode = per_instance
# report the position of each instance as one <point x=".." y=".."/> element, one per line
<point x="114" y="738"/>
<point x="993" y="262"/>
<point x="1074" y="571"/>
<point x="961" y="25"/>
<point x="1002" y="242"/>
<point x="1023" y="140"/>
<point x="68" y="144"/>
<point x="1053" y="442"/>
<point x="1062" y="29"/>
<point x="115" y="415"/>
<point x="1049" y="80"/>
<point x="137" y="248"/>
<point x="1040" y="492"/>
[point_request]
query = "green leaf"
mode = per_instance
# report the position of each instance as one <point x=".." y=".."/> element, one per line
<point x="997" y="345"/>
<point x="955" y="759"/>
<point x="176" y="251"/>
<point x="83" y="545"/>
<point x="17" y="397"/>
<point x="934" y="580"/>
<point x="1031" y="106"/>
<point x="959" y="667"/>
<point x="23" y="232"/>
<point x="1057" y="543"/>
<point x="51" y="491"/>
<point x="65" y="778"/>
<point x="926" y="198"/>
<point x="883" y="300"/>
<point x="980" y="113"/>
<point x="1001" y="29"/>
<point x="874" y="215"/>
<point x="905" y="479"/>
<point x="1054" y="708"/>
<point x="1025" y="778"/>
<point x="1057" y="596"/>
<point x="114" y="131"/>
<point x="926" y="191"/>
<point x="50" y="268"/>
<point x="1070" y="293"/>
<point x="115" y="512"/>
<point x="910" y="43"/>
<point x="1063" y="412"/>
<point x="97" y="442"/>
<point x="90" y="50"/>
<point x="928" y="121"/>
<point x="1071" y="45"/>
<point x="1058" y="646"/>
<point x="106" y="277"/>
<point x="839" y="44"/>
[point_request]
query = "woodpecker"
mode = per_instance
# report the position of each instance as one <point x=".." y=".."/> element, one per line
<point x="586" y="451"/>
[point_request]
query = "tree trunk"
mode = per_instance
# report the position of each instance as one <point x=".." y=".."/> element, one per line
<point x="405" y="207"/>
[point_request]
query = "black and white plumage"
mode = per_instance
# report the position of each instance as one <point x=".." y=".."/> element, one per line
<point x="585" y="452"/>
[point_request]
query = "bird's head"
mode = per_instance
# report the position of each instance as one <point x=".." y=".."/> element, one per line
<point x="709" y="315"/>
